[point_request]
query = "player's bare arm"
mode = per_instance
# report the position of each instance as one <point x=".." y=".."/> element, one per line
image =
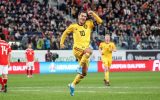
<point x="100" y="51"/>
<point x="9" y="57"/>
<point x="114" y="49"/>
<point x="62" y="46"/>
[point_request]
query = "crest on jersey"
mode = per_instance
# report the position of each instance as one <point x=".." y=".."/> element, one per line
<point x="85" y="26"/>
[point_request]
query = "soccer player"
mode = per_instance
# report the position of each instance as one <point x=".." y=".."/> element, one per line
<point x="29" y="60"/>
<point x="106" y="48"/>
<point x="5" y="51"/>
<point x="81" y="35"/>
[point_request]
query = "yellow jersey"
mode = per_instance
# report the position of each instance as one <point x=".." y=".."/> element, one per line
<point x="81" y="34"/>
<point x="106" y="49"/>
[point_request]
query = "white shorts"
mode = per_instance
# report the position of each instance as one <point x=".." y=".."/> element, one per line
<point x="30" y="65"/>
<point x="3" y="69"/>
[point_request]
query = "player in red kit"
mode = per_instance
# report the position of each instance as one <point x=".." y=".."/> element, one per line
<point x="29" y="60"/>
<point x="5" y="51"/>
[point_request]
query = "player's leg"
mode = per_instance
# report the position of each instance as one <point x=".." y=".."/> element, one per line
<point x="106" y="72"/>
<point x="31" y="70"/>
<point x="82" y="57"/>
<point x="29" y="74"/>
<point x="78" y="54"/>
<point x="77" y="79"/>
<point x="106" y="80"/>
<point x="27" y="69"/>
<point x="79" y="76"/>
<point x="84" y="62"/>
<point x="86" y="54"/>
<point x="5" y="77"/>
<point x="1" y="80"/>
<point x="2" y="84"/>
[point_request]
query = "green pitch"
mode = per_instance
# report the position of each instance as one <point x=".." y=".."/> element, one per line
<point x="124" y="86"/>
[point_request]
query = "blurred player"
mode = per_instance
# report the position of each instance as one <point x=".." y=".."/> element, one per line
<point x="5" y="51"/>
<point x="81" y="35"/>
<point x="106" y="48"/>
<point x="29" y="60"/>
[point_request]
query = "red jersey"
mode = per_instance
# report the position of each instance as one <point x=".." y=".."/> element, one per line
<point x="30" y="55"/>
<point x="5" y="50"/>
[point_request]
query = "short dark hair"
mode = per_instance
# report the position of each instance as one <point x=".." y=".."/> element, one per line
<point x="82" y="11"/>
<point x="3" y="37"/>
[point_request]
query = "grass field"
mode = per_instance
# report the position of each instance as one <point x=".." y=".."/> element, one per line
<point x="124" y="86"/>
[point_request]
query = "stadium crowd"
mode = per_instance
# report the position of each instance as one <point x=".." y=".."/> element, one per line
<point x="132" y="24"/>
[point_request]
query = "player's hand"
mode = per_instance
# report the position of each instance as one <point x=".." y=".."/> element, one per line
<point x="62" y="46"/>
<point x="102" y="53"/>
<point x="110" y="48"/>
<point x="90" y="12"/>
<point x="8" y="65"/>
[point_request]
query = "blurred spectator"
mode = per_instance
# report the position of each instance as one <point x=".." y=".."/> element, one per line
<point x="130" y="23"/>
<point x="48" y="56"/>
<point x="40" y="43"/>
<point x="47" y="43"/>
<point x="24" y="41"/>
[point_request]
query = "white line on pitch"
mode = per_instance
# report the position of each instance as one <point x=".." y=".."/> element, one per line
<point x="25" y="90"/>
<point x="94" y="87"/>
<point x="112" y="92"/>
<point x="121" y="87"/>
<point x="49" y="90"/>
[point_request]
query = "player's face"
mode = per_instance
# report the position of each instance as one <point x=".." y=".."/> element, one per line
<point x="82" y="18"/>
<point x="30" y="46"/>
<point x="107" y="38"/>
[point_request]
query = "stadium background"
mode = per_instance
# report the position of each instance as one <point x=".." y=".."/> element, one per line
<point x="133" y="25"/>
<point x="42" y="22"/>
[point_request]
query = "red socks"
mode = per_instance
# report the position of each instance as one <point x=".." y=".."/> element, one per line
<point x="5" y="81"/>
<point x="1" y="82"/>
<point x="31" y="71"/>
<point x="27" y="72"/>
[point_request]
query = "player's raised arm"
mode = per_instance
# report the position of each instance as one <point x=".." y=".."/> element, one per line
<point x="95" y="16"/>
<point x="65" y="34"/>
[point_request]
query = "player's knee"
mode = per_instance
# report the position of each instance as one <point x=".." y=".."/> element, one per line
<point x="106" y="68"/>
<point x="88" y="50"/>
<point x="84" y="74"/>
<point x="4" y="76"/>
